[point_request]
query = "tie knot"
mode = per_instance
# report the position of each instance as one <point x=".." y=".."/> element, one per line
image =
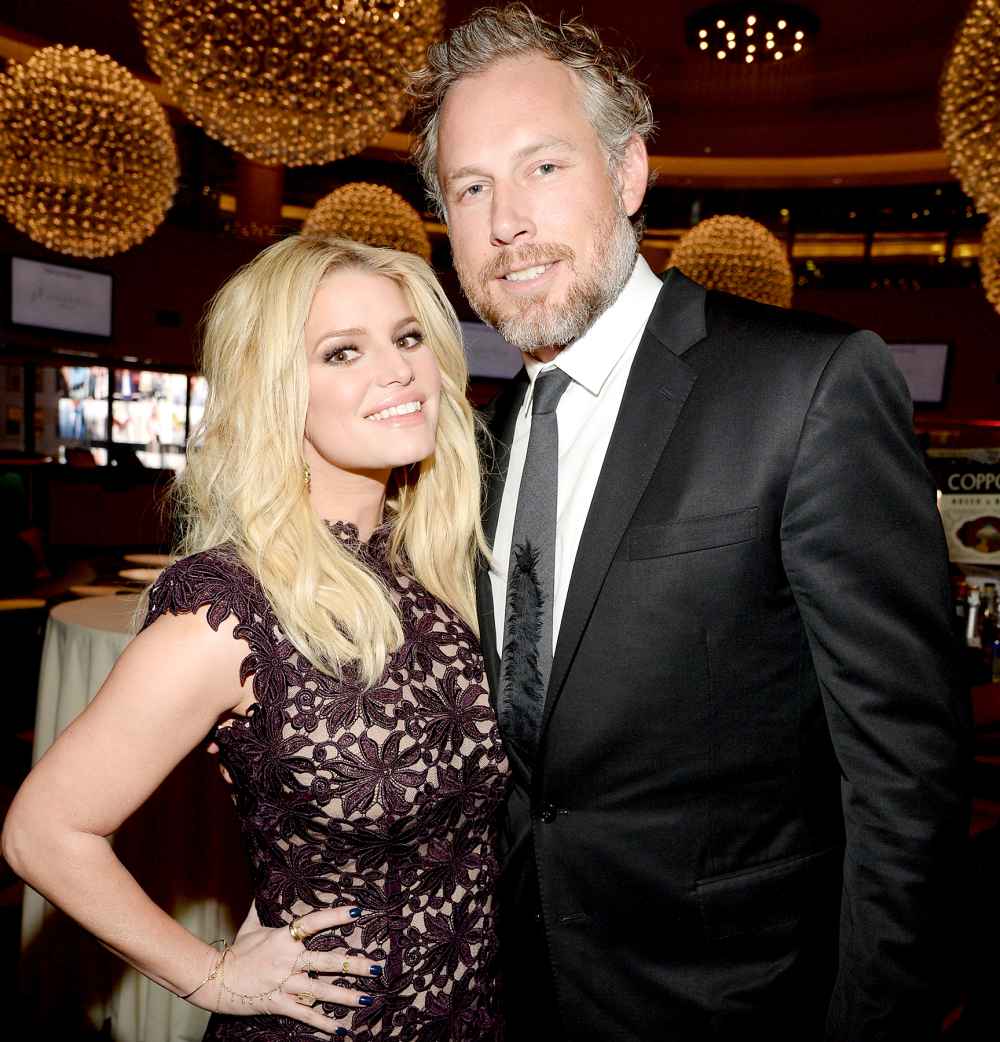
<point x="549" y="388"/>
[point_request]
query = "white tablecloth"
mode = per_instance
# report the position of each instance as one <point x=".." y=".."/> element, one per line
<point x="183" y="846"/>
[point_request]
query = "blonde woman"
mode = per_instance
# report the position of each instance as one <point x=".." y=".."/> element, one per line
<point x="321" y="630"/>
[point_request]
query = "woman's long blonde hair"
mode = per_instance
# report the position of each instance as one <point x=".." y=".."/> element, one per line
<point x="244" y="486"/>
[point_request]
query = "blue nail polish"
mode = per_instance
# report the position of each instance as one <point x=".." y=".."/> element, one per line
<point x="365" y="1000"/>
<point x="340" y="1032"/>
<point x="356" y="913"/>
<point x="375" y="971"/>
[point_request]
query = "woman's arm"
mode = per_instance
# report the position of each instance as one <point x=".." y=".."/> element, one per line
<point x="166" y="692"/>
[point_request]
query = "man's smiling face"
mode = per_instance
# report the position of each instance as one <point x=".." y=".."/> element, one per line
<point x="539" y="228"/>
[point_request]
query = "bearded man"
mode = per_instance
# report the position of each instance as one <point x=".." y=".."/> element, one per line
<point x="716" y="621"/>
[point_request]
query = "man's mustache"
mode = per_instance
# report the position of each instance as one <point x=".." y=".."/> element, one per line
<point x="514" y="258"/>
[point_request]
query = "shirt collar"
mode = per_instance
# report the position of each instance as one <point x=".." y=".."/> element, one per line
<point x="590" y="360"/>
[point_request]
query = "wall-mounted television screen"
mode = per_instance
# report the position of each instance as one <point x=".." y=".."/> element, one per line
<point x="925" y="369"/>
<point x="59" y="297"/>
<point x="82" y="418"/>
<point x="148" y="417"/>
<point x="488" y="354"/>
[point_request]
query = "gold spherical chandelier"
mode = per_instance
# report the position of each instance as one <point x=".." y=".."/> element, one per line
<point x="88" y="165"/>
<point x="736" y="255"/>
<point x="989" y="262"/>
<point x="373" y="214"/>
<point x="970" y="105"/>
<point x="289" y="82"/>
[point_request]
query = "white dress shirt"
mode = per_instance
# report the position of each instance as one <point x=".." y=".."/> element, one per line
<point x="599" y="364"/>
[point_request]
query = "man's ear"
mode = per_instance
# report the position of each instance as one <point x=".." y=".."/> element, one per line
<point x="632" y="174"/>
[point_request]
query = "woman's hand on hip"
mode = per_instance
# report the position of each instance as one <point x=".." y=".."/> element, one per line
<point x="270" y="970"/>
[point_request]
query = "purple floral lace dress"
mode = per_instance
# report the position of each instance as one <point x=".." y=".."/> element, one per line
<point x="382" y="798"/>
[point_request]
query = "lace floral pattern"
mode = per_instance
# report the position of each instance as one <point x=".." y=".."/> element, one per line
<point x="383" y="798"/>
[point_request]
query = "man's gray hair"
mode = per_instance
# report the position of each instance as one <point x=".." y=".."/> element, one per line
<point x="614" y="100"/>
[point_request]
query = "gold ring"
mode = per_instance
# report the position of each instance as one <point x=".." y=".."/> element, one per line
<point x="346" y="966"/>
<point x="305" y="998"/>
<point x="295" y="929"/>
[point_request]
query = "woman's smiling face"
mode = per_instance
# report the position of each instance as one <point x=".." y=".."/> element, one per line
<point x="374" y="384"/>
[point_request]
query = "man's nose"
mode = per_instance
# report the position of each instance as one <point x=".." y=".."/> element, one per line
<point x="510" y="217"/>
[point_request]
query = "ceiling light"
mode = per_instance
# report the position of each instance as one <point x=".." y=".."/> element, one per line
<point x="736" y="255"/>
<point x="289" y="82"/>
<point x="970" y="108"/>
<point x="373" y="214"/>
<point x="88" y="165"/>
<point x="785" y="27"/>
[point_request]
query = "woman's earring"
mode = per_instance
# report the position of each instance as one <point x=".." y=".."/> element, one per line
<point x="307" y="474"/>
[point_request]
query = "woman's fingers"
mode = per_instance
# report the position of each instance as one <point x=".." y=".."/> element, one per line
<point x="314" y="922"/>
<point x="330" y="962"/>
<point x="289" y="1006"/>
<point x="334" y="962"/>
<point x="302" y="1002"/>
<point x="300" y="986"/>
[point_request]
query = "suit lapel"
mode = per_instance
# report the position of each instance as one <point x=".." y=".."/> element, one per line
<point x="495" y="458"/>
<point x="658" y="386"/>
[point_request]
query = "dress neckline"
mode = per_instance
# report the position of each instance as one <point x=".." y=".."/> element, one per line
<point x="349" y="536"/>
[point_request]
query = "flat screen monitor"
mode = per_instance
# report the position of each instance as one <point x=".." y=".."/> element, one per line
<point x="197" y="397"/>
<point x="488" y="354"/>
<point x="60" y="298"/>
<point x="82" y="416"/>
<point x="148" y="418"/>
<point x="925" y="369"/>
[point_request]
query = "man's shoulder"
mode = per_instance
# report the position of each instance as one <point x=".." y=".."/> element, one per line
<point x="729" y="310"/>
<point x="780" y="350"/>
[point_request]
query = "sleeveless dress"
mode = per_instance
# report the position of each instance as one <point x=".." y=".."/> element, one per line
<point x="384" y="798"/>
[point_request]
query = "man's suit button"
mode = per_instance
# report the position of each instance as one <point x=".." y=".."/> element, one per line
<point x="548" y="813"/>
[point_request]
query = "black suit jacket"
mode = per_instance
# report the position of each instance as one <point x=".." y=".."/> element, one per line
<point x="750" y="791"/>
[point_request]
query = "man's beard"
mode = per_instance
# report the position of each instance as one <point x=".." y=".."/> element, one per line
<point x="532" y="323"/>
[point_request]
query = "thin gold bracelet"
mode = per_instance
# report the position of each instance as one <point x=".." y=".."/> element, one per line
<point x="215" y="969"/>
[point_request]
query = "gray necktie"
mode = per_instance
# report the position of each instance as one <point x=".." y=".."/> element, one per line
<point x="527" y="633"/>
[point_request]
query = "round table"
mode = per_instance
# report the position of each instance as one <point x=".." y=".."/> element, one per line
<point x="182" y="845"/>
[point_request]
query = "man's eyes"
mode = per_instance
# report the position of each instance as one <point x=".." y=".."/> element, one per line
<point x="478" y="188"/>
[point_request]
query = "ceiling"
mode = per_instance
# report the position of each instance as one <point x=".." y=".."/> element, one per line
<point x="868" y="85"/>
<point x="856" y="117"/>
<point x="858" y="110"/>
